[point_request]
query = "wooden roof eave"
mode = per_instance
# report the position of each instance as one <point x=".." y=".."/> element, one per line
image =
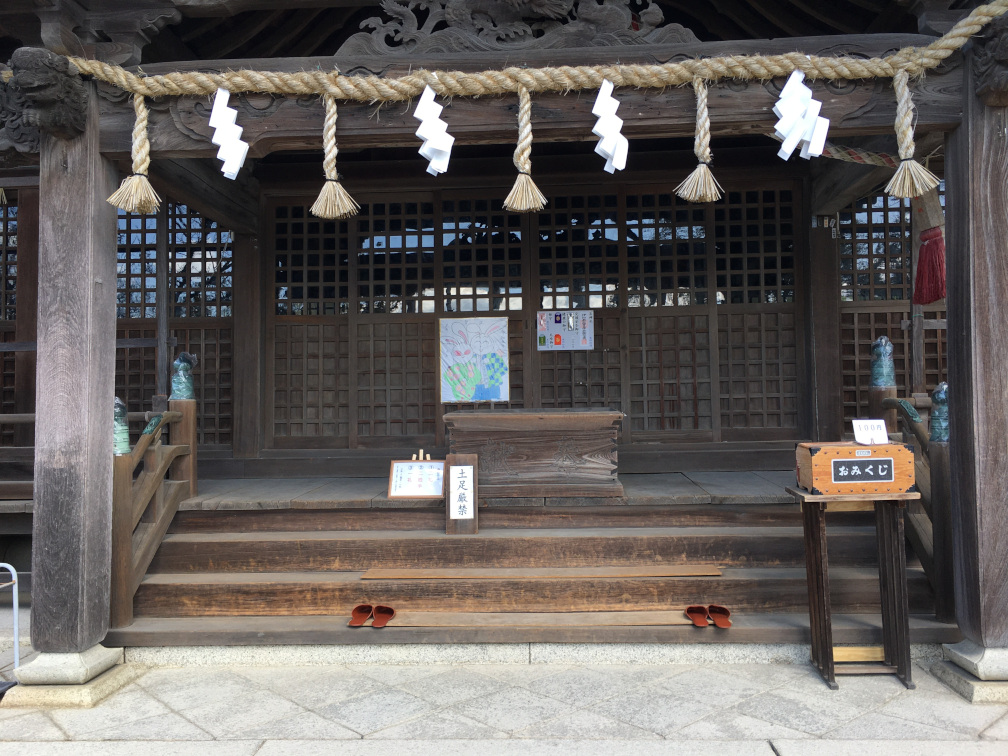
<point x="179" y="128"/>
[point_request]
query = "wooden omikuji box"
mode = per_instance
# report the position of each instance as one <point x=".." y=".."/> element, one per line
<point x="847" y="468"/>
<point x="532" y="453"/>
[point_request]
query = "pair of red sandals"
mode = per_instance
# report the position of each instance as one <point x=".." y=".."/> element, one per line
<point x="702" y="616"/>
<point x="363" y="612"/>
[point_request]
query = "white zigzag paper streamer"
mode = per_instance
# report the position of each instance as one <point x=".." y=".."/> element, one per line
<point x="437" y="141"/>
<point x="227" y="135"/>
<point x="612" y="145"/>
<point x="800" y="121"/>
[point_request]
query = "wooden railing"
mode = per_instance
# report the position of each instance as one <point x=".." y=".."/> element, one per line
<point x="145" y="501"/>
<point x="929" y="522"/>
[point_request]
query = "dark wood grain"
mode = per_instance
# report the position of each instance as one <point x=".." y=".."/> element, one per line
<point x="977" y="268"/>
<point x="76" y="363"/>
<point x="255" y="594"/>
<point x="247" y="322"/>
<point x="825" y="335"/>
<point x="540" y="452"/>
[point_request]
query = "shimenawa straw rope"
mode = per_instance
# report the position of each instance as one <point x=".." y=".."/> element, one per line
<point x="700" y="185"/>
<point x="525" y="195"/>
<point x="135" y="194"/>
<point x="334" y="202"/>
<point x="911" y="177"/>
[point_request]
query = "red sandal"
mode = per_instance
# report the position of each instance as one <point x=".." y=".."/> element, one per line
<point x="698" y="614"/>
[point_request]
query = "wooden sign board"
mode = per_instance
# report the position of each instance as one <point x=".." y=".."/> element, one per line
<point x="416" y="479"/>
<point x="461" y="495"/>
<point x="831" y="469"/>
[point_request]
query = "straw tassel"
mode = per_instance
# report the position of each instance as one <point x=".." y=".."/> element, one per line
<point x="911" y="179"/>
<point x="525" y="195"/>
<point x="3" y="197"/>
<point x="135" y="194"/>
<point x="334" y="202"/>
<point x="701" y="186"/>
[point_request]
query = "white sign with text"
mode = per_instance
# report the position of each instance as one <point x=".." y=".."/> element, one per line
<point x="870" y="432"/>
<point x="460" y="492"/>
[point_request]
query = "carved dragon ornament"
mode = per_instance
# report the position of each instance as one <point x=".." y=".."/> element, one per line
<point x="447" y="26"/>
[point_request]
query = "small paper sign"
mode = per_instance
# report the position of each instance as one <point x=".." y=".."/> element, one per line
<point x="869" y="432"/>
<point x="460" y="492"/>
<point x="416" y="479"/>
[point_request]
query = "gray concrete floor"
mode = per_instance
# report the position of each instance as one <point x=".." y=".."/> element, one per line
<point x="563" y="707"/>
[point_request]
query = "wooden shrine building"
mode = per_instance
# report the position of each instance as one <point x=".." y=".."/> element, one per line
<point x="725" y="330"/>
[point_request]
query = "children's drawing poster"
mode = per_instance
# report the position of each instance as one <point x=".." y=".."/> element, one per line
<point x="474" y="360"/>
<point x="564" y="330"/>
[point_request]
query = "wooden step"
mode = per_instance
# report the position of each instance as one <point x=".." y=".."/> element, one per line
<point x="278" y="551"/>
<point x="467" y="627"/>
<point x="308" y="593"/>
<point x="432" y="518"/>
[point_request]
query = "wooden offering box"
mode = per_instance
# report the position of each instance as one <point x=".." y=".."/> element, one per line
<point x="570" y="452"/>
<point x="844" y="467"/>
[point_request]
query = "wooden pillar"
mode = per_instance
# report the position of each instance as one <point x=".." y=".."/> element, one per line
<point x="824" y="315"/>
<point x="977" y="286"/>
<point x="27" y="310"/>
<point x="74" y="401"/>
<point x="247" y="322"/>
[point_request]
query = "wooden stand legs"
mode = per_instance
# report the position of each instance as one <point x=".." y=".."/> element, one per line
<point x="892" y="586"/>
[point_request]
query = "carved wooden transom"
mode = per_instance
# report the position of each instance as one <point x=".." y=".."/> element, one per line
<point x="445" y="26"/>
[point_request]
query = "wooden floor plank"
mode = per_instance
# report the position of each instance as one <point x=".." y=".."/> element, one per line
<point x="541" y="573"/>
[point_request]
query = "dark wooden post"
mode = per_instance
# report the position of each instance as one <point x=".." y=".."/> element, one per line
<point x="247" y="339"/>
<point x="941" y="526"/>
<point x="824" y="311"/>
<point x="185" y="432"/>
<point x="74" y="398"/>
<point x="977" y="284"/>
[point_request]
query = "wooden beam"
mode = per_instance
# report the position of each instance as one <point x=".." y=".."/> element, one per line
<point x="285" y="124"/>
<point x="199" y="184"/>
<point x="71" y="548"/>
<point x="837" y="183"/>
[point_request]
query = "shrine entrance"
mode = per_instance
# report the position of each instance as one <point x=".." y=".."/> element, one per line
<point x="698" y="332"/>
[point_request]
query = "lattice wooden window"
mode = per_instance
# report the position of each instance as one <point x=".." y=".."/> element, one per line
<point x="311" y="263"/>
<point x="200" y="256"/>
<point x="754" y="247"/>
<point x="7" y="403"/>
<point x="585" y="378"/>
<point x="394" y="243"/>
<point x="213" y="379"/>
<point x="670" y="373"/>
<point x="135" y="380"/>
<point x="396" y="382"/>
<point x="875" y="250"/>
<point x="666" y="251"/>
<point x="136" y="266"/>
<point x="311" y="390"/>
<point x="8" y="262"/>
<point x="481" y="257"/>
<point x="578" y="252"/>
<point x="8" y="311"/>
<point x="860" y="328"/>
<point x="758" y="370"/>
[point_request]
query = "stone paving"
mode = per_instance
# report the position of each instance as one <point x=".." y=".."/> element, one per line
<point x="766" y="708"/>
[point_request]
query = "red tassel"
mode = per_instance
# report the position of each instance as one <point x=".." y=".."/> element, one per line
<point x="930" y="284"/>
